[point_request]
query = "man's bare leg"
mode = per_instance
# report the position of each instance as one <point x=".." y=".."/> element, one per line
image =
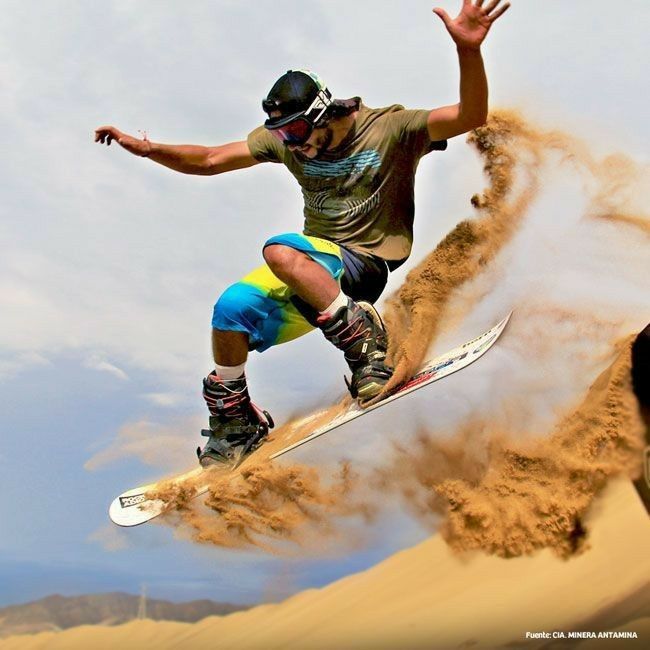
<point x="307" y="278"/>
<point x="229" y="348"/>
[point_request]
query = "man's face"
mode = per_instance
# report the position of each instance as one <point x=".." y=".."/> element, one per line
<point x="317" y="143"/>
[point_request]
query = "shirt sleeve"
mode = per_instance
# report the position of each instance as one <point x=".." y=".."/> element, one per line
<point x="410" y="127"/>
<point x="265" y="147"/>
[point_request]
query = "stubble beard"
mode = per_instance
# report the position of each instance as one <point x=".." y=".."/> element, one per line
<point x="321" y="145"/>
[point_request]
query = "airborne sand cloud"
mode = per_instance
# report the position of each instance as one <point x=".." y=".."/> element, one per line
<point x="485" y="453"/>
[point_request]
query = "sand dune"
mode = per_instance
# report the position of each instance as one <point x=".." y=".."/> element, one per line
<point x="428" y="597"/>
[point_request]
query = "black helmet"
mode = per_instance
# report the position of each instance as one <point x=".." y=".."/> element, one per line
<point x="298" y="94"/>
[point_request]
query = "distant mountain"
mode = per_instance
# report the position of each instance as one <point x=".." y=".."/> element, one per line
<point x="60" y="612"/>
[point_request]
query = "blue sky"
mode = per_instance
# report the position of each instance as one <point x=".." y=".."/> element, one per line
<point x="111" y="264"/>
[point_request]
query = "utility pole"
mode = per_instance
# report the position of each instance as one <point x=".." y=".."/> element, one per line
<point x="142" y="605"/>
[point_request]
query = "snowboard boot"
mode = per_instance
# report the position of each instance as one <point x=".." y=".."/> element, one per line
<point x="237" y="426"/>
<point x="358" y="330"/>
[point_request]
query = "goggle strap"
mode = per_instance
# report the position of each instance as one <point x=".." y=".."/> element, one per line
<point x="321" y="103"/>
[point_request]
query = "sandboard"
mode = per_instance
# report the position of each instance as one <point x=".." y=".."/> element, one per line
<point x="135" y="507"/>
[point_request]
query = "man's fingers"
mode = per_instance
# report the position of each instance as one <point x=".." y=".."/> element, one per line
<point x="491" y="6"/>
<point x="500" y="11"/>
<point x="444" y="16"/>
<point x="106" y="134"/>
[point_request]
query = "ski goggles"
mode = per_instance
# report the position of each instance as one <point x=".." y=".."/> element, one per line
<point x="294" y="133"/>
<point x="297" y="129"/>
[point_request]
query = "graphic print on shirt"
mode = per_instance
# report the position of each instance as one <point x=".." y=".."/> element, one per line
<point x="324" y="203"/>
<point x="356" y="164"/>
<point x="356" y="181"/>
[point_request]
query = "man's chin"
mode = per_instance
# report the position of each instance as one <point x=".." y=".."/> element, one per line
<point x="319" y="148"/>
<point x="309" y="153"/>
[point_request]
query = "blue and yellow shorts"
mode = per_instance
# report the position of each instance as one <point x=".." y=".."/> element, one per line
<point x="266" y="309"/>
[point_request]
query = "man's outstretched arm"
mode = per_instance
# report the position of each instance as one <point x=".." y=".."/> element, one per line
<point x="185" y="158"/>
<point x="468" y="30"/>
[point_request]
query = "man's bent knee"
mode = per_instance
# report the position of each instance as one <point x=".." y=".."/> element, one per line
<point x="279" y="256"/>
<point x="281" y="252"/>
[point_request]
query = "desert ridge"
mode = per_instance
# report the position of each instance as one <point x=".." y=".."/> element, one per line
<point x="428" y="597"/>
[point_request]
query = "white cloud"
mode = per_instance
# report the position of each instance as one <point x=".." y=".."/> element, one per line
<point x="20" y="361"/>
<point x="159" y="445"/>
<point x="164" y="399"/>
<point x="96" y="362"/>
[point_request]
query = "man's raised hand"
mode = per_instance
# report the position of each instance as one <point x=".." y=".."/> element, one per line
<point x="472" y="24"/>
<point x="106" y="135"/>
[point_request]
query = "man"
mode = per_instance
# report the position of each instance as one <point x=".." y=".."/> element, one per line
<point x="356" y="167"/>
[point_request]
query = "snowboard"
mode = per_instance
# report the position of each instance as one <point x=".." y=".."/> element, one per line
<point x="136" y="506"/>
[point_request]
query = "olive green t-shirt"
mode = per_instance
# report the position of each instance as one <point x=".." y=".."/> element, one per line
<point x="360" y="195"/>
